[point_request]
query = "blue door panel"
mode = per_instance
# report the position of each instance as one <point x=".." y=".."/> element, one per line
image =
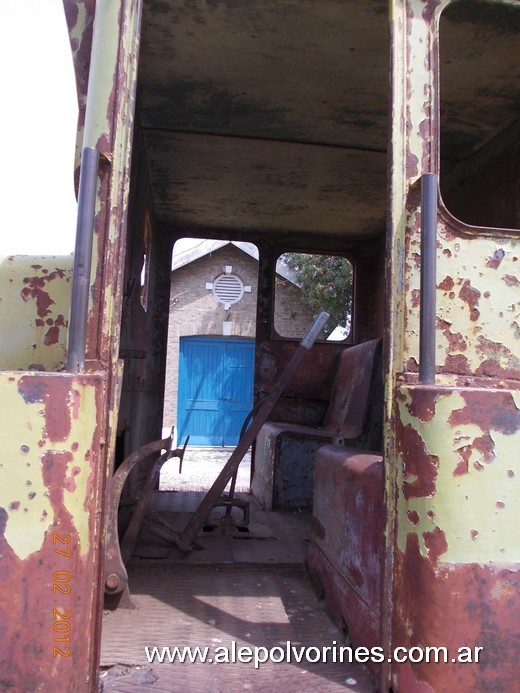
<point x="215" y="389"/>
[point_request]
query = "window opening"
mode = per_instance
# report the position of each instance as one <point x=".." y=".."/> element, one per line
<point x="306" y="284"/>
<point x="480" y="112"/>
<point x="145" y="273"/>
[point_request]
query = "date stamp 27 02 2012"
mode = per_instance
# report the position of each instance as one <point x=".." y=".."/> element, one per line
<point x="61" y="587"/>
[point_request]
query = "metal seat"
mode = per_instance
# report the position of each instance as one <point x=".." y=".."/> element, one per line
<point x="284" y="455"/>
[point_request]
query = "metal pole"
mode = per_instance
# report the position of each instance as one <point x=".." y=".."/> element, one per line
<point x="82" y="259"/>
<point x="429" y="193"/>
<point x="195" y="524"/>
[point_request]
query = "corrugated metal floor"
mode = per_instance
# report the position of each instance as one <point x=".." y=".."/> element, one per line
<point x="247" y="588"/>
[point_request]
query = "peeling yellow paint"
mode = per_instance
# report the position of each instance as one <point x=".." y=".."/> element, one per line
<point x="452" y="485"/>
<point x="101" y="83"/>
<point x="478" y="510"/>
<point x="495" y="305"/>
<point x="76" y="33"/>
<point x="24" y="329"/>
<point x="20" y="475"/>
<point x="23" y="442"/>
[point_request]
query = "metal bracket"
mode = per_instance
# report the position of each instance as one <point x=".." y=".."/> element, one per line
<point x="117" y="555"/>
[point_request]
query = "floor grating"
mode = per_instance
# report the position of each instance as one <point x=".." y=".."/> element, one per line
<point x="236" y="593"/>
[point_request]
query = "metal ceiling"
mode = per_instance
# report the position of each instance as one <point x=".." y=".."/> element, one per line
<point x="272" y="116"/>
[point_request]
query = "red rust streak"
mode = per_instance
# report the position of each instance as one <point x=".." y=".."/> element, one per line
<point x="457" y="604"/>
<point x="511" y="280"/>
<point x="501" y="414"/>
<point x="43" y="300"/>
<point x="413" y="516"/>
<point x="456" y="363"/>
<point x="436" y="544"/>
<point x="52" y="336"/>
<point x="470" y="296"/>
<point x="495" y="260"/>
<point x="417" y="462"/>
<point x="463" y="466"/>
<point x="35" y="289"/>
<point x="55" y="396"/>
<point x="485" y="445"/>
<point x="422" y="405"/>
<point x="54" y="471"/>
<point x="447" y="284"/>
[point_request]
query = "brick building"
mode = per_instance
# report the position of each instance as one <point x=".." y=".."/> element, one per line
<point x="211" y="337"/>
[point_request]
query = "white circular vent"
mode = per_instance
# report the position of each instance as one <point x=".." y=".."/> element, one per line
<point x="228" y="289"/>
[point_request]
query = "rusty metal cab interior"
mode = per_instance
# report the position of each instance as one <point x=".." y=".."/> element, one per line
<point x="267" y="149"/>
<point x="305" y="126"/>
<point x="270" y="124"/>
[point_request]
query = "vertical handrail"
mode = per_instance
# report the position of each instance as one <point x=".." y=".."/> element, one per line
<point x="82" y="259"/>
<point x="429" y="195"/>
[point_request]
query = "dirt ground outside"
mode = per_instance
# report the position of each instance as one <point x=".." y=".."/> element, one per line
<point x="200" y="468"/>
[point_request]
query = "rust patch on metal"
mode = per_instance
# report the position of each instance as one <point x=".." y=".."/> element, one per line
<point x="502" y="415"/>
<point x="463" y="466"/>
<point x="470" y="296"/>
<point x="422" y="405"/>
<point x="411" y="365"/>
<point x="456" y="363"/>
<point x="35" y="288"/>
<point x="456" y="341"/>
<point x="447" y="284"/>
<point x="413" y="516"/>
<point x="70" y="481"/>
<point x="436" y="544"/>
<point x="32" y="581"/>
<point x="485" y="446"/>
<point x="61" y="571"/>
<point x="480" y="607"/>
<point x="501" y="362"/>
<point x="419" y="467"/>
<point x="54" y="471"/>
<point x="414" y="579"/>
<point x="495" y="260"/>
<point x="55" y="395"/>
<point x="52" y="335"/>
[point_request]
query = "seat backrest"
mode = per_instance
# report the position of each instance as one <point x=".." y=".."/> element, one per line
<point x="347" y="410"/>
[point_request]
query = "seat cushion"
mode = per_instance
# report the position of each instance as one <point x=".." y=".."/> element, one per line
<point x="347" y="410"/>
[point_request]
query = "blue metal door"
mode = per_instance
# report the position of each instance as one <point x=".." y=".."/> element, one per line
<point x="215" y="389"/>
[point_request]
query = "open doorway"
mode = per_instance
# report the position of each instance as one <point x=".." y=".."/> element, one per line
<point x="210" y="358"/>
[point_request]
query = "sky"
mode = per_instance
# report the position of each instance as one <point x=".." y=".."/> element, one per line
<point x="38" y="122"/>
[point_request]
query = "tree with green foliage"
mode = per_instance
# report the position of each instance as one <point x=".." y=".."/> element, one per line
<point x="325" y="282"/>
